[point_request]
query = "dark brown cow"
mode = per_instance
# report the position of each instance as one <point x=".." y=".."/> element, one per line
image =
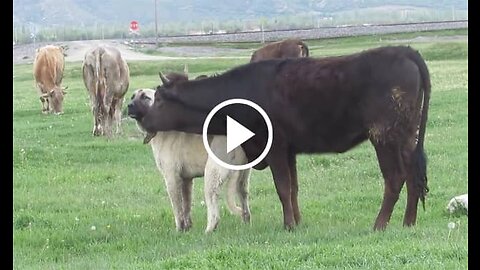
<point x="326" y="105"/>
<point x="281" y="49"/>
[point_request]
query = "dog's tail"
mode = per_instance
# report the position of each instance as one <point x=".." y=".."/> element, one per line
<point x="232" y="193"/>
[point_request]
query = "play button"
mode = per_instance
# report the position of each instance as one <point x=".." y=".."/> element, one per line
<point x="236" y="134"/>
<point x="236" y="131"/>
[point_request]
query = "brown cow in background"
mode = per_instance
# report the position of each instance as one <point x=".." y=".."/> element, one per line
<point x="48" y="72"/>
<point x="281" y="49"/>
<point x="106" y="76"/>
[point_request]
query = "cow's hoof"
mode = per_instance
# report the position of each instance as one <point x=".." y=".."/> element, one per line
<point x="289" y="227"/>
<point x="246" y="217"/>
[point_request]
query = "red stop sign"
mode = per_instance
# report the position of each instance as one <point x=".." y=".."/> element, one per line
<point x="134" y="25"/>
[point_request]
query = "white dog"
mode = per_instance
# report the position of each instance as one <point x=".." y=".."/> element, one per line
<point x="457" y="203"/>
<point x="180" y="157"/>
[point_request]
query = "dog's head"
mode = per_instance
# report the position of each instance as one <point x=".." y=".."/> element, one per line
<point x="140" y="103"/>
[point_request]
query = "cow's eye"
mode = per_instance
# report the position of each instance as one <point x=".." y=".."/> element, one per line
<point x="145" y="97"/>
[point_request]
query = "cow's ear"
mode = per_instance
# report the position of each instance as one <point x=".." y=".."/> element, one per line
<point x="164" y="93"/>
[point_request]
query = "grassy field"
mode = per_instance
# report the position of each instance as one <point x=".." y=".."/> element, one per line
<point x="90" y="203"/>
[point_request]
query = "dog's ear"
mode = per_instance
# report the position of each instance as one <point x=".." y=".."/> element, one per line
<point x="149" y="137"/>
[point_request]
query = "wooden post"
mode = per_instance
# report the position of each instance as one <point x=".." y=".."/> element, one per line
<point x="156" y="27"/>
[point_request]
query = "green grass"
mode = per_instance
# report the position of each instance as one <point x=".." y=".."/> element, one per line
<point x="324" y="47"/>
<point x="66" y="181"/>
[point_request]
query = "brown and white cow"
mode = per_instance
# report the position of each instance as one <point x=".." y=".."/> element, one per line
<point x="106" y="76"/>
<point x="48" y="72"/>
<point x="281" y="49"/>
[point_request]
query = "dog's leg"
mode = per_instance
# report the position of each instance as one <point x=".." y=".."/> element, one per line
<point x="232" y="192"/>
<point x="242" y="191"/>
<point x="174" y="189"/>
<point x="187" y="184"/>
<point x="213" y="181"/>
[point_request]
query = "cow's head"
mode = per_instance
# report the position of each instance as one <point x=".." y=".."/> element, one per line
<point x="55" y="99"/>
<point x="63" y="49"/>
<point x="163" y="114"/>
<point x="142" y="101"/>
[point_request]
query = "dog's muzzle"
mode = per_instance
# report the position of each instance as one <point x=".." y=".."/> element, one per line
<point x="132" y="111"/>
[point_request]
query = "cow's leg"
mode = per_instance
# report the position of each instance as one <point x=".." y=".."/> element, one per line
<point x="213" y="181"/>
<point x="392" y="167"/>
<point x="187" y="185"/>
<point x="174" y="189"/>
<point x="416" y="177"/>
<point x="99" y="121"/>
<point x="118" y="115"/>
<point x="292" y="165"/>
<point x="45" y="107"/>
<point x="242" y="191"/>
<point x="278" y="161"/>
<point x="98" y="112"/>
<point x="413" y="195"/>
<point x="109" y="103"/>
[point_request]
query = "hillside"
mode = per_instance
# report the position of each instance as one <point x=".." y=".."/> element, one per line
<point x="92" y="12"/>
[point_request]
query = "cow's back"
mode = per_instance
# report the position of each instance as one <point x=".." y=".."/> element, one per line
<point x="48" y="67"/>
<point x="281" y="49"/>
<point x="104" y="66"/>
<point x="106" y="77"/>
<point x="117" y="72"/>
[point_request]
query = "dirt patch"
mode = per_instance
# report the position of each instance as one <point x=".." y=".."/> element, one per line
<point x="77" y="49"/>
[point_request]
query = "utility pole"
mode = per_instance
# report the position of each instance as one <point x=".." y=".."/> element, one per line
<point x="263" y="34"/>
<point x="156" y="28"/>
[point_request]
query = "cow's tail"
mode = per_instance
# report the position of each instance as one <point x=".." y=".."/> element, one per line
<point x="99" y="78"/>
<point x="304" y="48"/>
<point x="419" y="157"/>
<point x="97" y="71"/>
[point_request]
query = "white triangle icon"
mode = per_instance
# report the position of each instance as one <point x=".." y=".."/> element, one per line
<point x="236" y="134"/>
